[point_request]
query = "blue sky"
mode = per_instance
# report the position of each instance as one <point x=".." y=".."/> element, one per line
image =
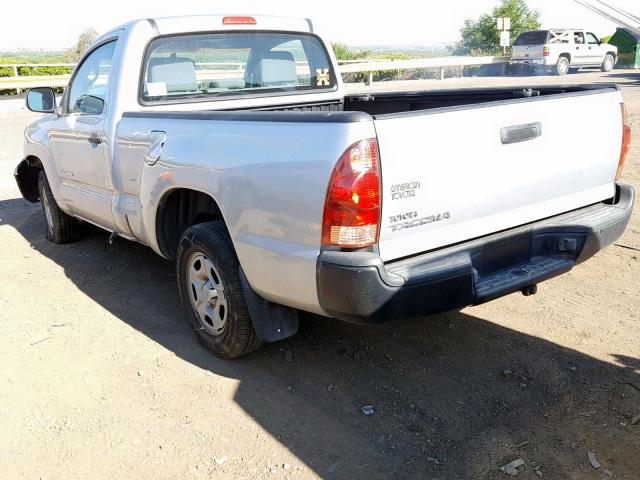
<point x="54" y="25"/>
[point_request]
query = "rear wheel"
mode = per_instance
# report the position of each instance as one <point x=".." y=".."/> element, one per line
<point x="60" y="227"/>
<point x="209" y="282"/>
<point x="608" y="63"/>
<point x="562" y="67"/>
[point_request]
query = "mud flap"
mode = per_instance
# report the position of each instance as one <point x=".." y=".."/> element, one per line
<point x="271" y="321"/>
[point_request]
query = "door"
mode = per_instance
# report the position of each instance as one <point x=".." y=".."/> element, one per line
<point x="78" y="142"/>
<point x="595" y="50"/>
<point x="580" y="53"/>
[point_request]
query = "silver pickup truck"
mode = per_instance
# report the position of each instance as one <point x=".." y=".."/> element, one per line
<point x="228" y="144"/>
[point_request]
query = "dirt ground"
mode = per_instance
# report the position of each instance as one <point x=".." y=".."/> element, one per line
<point x="100" y="379"/>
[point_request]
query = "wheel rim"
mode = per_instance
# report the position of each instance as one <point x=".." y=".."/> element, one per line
<point x="564" y="66"/>
<point x="47" y="213"/>
<point x="206" y="293"/>
<point x="608" y="63"/>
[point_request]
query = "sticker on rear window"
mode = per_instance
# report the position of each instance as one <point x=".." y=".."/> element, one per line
<point x="322" y="77"/>
<point x="156" y="89"/>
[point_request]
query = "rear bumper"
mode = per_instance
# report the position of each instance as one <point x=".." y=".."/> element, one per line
<point x="528" y="61"/>
<point x="359" y="287"/>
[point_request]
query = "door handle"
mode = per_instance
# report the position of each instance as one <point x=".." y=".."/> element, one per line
<point x="156" y="145"/>
<point x="94" y="139"/>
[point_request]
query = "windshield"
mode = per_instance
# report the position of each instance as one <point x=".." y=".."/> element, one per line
<point x="532" y="38"/>
<point x="204" y="66"/>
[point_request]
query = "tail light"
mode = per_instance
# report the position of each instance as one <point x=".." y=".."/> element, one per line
<point x="239" y="21"/>
<point x="352" y="207"/>
<point x="545" y="52"/>
<point x="626" y="141"/>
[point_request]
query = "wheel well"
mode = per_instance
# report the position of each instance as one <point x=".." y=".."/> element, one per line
<point x="613" y="54"/>
<point x="565" y="55"/>
<point x="28" y="178"/>
<point x="178" y="210"/>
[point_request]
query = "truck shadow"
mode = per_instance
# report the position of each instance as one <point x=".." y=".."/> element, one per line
<point x="630" y="77"/>
<point x="455" y="396"/>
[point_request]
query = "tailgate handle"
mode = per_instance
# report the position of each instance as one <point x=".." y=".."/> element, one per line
<point x="520" y="133"/>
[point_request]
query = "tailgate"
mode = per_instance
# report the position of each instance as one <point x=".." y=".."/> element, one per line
<point x="452" y="174"/>
<point x="526" y="52"/>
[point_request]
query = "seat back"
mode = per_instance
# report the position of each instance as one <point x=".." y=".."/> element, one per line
<point x="275" y="69"/>
<point x="177" y="73"/>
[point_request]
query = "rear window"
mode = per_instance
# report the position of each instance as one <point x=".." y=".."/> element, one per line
<point x="538" y="37"/>
<point x="206" y="66"/>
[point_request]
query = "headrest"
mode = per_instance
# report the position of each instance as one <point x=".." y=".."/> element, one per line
<point x="178" y="74"/>
<point x="276" y="68"/>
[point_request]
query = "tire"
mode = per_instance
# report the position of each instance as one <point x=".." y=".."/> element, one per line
<point x="208" y="274"/>
<point x="608" y="63"/>
<point x="59" y="227"/>
<point x="562" y="67"/>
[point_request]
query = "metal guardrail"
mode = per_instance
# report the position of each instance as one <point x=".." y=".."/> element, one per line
<point x="371" y="66"/>
<point x="18" y="82"/>
<point x="345" y="66"/>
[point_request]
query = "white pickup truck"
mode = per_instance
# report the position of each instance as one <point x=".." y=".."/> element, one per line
<point x="562" y="50"/>
<point x="228" y="144"/>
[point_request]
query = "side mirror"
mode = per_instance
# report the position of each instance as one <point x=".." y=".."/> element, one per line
<point x="41" y="99"/>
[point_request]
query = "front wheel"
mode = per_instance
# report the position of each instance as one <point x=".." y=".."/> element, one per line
<point x="60" y="227"/>
<point x="562" y="67"/>
<point x="608" y="63"/>
<point x="209" y="282"/>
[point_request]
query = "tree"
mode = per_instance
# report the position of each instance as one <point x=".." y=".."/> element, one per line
<point x="343" y="52"/>
<point x="85" y="40"/>
<point x="482" y="37"/>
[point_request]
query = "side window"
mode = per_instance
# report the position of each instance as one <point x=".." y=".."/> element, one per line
<point x="578" y="38"/>
<point x="559" y="37"/>
<point x="592" y="39"/>
<point x="89" y="89"/>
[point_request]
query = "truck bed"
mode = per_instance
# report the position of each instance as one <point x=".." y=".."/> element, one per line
<point x="401" y="102"/>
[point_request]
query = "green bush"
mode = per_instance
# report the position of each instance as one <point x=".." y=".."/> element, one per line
<point x="35" y="70"/>
<point x="41" y="71"/>
<point x="6" y="71"/>
<point x="343" y="52"/>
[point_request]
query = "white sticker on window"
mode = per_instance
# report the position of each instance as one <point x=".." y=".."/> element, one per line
<point x="156" y="89"/>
